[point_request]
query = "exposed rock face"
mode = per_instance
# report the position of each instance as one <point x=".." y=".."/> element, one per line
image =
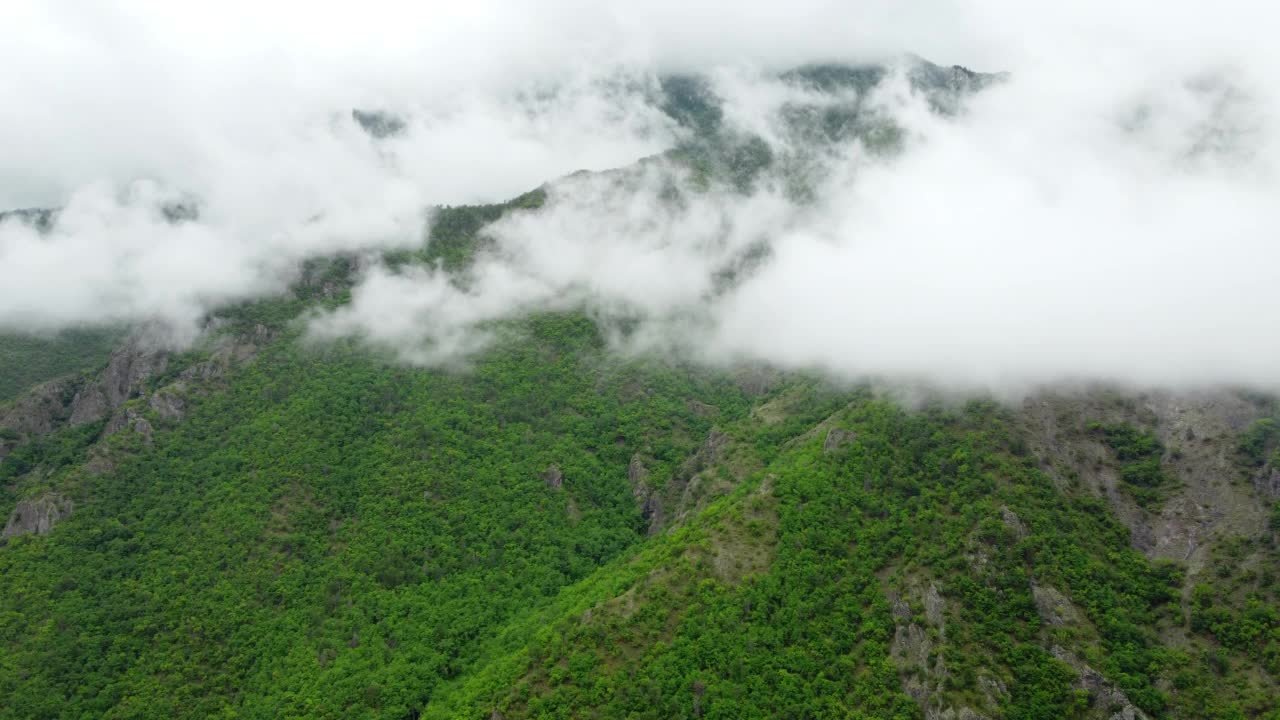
<point x="711" y="452"/>
<point x="651" y="510"/>
<point x="130" y="418"/>
<point x="702" y="409"/>
<point x="1200" y="430"/>
<point x="91" y="405"/>
<point x="37" y="413"/>
<point x="100" y="461"/>
<point x="994" y="690"/>
<point x="963" y="713"/>
<point x="919" y="644"/>
<point x="922" y="661"/>
<point x="1013" y="522"/>
<point x="168" y="402"/>
<point x="699" y="479"/>
<point x="636" y="472"/>
<point x="130" y="367"/>
<point x="73" y="401"/>
<point x="553" y="477"/>
<point x="1267" y="481"/>
<point x="911" y="646"/>
<point x="946" y="87"/>
<point x="934" y="606"/>
<point x="837" y="438"/>
<point x="1102" y="692"/>
<point x="133" y="366"/>
<point x="924" y="670"/>
<point x="694" y="483"/>
<point x="1054" y="607"/>
<point x="141" y="426"/>
<point x="688" y="487"/>
<point x="41" y="411"/>
<point x="644" y="493"/>
<point x="37" y="515"/>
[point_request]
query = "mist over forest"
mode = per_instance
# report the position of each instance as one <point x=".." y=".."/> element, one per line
<point x="641" y="360"/>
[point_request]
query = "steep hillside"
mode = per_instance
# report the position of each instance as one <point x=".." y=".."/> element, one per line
<point x="552" y="533"/>
<point x="267" y="523"/>
<point x="27" y="360"/>
<point x="321" y="513"/>
<point x="891" y="563"/>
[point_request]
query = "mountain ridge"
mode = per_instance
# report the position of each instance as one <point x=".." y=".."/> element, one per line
<point x="263" y="525"/>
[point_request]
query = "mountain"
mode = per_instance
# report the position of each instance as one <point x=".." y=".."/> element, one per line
<point x="263" y="525"/>
<point x="27" y="360"/>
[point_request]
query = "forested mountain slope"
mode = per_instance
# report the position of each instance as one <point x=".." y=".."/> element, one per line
<point x="268" y="525"/>
<point x="27" y="360"/>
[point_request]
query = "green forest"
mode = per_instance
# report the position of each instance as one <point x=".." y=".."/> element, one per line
<point x="328" y="534"/>
<point x="263" y="525"/>
<point x="26" y="360"/>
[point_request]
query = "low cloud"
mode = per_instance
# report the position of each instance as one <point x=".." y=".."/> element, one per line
<point x="1106" y="213"/>
<point x="249" y="118"/>
<point x="1013" y="245"/>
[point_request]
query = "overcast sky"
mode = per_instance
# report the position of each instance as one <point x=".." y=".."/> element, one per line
<point x="1109" y="213"/>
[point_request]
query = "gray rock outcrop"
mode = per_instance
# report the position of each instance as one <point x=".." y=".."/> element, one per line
<point x="923" y="665"/>
<point x="1102" y="691"/>
<point x="37" y="515"/>
<point x="41" y="410"/>
<point x="1267" y="481"/>
<point x="1013" y="522"/>
<point x="838" y="438"/>
<point x="1054" y="607"/>
<point x="131" y="365"/>
<point x="646" y="497"/>
<point x="129" y="418"/>
<point x="1200" y="430"/>
<point x="168" y="402"/>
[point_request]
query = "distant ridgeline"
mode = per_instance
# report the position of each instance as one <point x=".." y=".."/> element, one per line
<point x="264" y="527"/>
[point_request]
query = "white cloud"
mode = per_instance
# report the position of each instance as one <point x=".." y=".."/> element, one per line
<point x="1023" y="242"/>
<point x="247" y="110"/>
<point x="1107" y="213"/>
